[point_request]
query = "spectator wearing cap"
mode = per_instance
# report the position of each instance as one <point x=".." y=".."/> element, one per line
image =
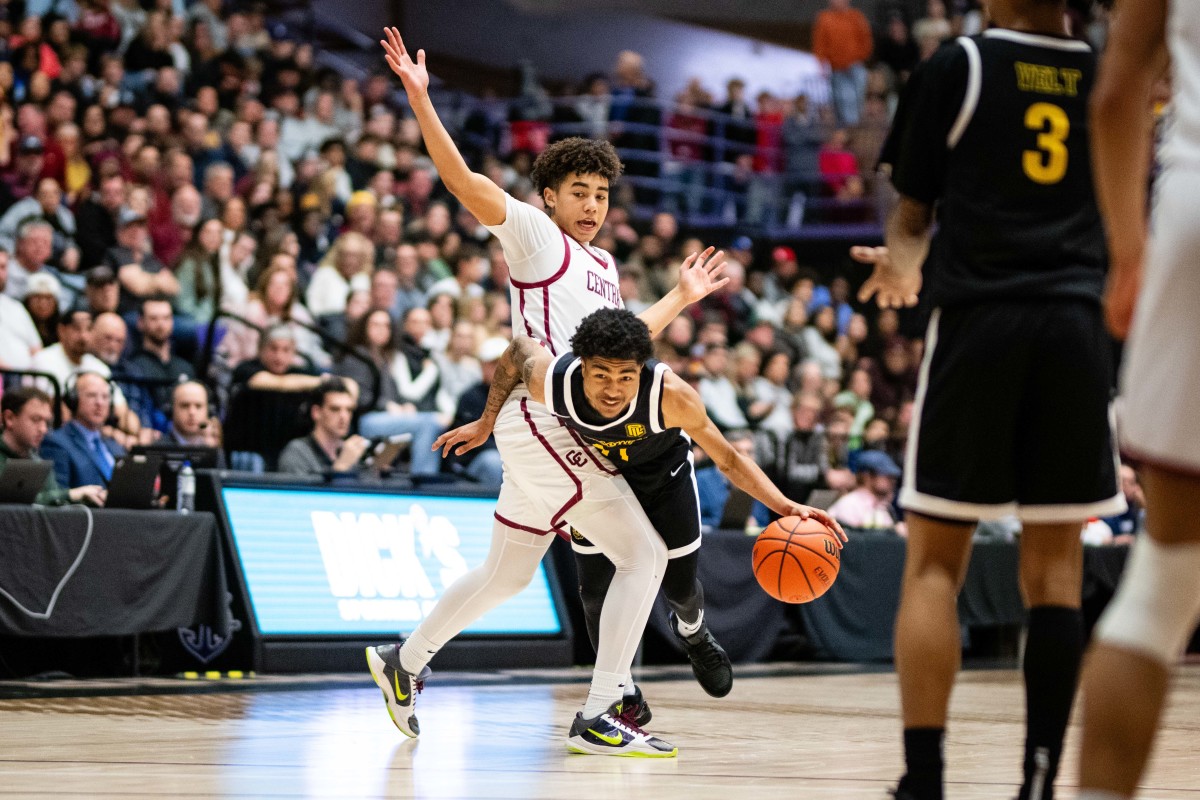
<point x="837" y="294"/>
<point x="777" y="286"/>
<point x="44" y="205"/>
<point x="362" y="209"/>
<point x="19" y="337"/>
<point x="871" y="504"/>
<point x="26" y="169"/>
<point x="42" y="291"/>
<point x="96" y="219"/>
<point x="139" y="272"/>
<point x="741" y="250"/>
<point x="482" y="464"/>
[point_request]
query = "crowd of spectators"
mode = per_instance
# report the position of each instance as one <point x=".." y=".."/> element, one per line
<point x="185" y="182"/>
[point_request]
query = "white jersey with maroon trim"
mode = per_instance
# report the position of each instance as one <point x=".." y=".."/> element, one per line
<point x="556" y="281"/>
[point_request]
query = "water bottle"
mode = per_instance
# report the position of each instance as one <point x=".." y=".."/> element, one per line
<point x="185" y="494"/>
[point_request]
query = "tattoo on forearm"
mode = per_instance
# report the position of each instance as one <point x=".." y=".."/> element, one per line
<point x="505" y="380"/>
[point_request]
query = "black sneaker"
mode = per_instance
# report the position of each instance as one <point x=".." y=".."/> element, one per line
<point x="610" y="734"/>
<point x="635" y="709"/>
<point x="906" y="791"/>
<point x="710" y="664"/>
<point x="399" y="689"/>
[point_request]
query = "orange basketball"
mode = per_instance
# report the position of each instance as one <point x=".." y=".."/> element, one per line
<point x="796" y="560"/>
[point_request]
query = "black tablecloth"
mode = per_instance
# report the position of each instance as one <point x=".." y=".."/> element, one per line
<point x="855" y="620"/>
<point x="141" y="571"/>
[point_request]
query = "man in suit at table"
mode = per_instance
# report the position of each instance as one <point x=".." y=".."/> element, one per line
<point x="81" y="453"/>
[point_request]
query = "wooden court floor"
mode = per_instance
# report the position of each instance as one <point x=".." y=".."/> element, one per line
<point x="780" y="734"/>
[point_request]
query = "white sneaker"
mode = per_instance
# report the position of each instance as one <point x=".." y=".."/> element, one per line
<point x="612" y="734"/>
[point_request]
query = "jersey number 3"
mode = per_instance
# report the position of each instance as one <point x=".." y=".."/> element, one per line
<point x="1048" y="163"/>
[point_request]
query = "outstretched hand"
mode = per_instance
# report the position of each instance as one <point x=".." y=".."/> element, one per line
<point x="891" y="286"/>
<point x="466" y="438"/>
<point x="699" y="275"/>
<point x="412" y="73"/>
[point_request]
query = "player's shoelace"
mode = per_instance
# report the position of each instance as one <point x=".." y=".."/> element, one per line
<point x="621" y="723"/>
<point x="629" y="714"/>
<point x="708" y="655"/>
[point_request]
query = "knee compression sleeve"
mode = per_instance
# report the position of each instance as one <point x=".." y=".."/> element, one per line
<point x="1157" y="605"/>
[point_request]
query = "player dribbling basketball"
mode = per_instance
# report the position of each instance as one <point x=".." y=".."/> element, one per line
<point x="634" y="410"/>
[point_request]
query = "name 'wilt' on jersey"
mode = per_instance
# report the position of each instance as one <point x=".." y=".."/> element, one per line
<point x="637" y="442"/>
<point x="1007" y="112"/>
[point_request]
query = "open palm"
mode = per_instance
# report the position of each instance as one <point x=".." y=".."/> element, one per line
<point x="413" y="73"/>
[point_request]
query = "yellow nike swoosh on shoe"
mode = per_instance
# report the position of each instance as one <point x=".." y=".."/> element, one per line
<point x="615" y="741"/>
<point x="400" y="696"/>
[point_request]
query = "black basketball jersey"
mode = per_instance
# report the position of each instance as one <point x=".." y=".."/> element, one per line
<point x="637" y="442"/>
<point x="994" y="131"/>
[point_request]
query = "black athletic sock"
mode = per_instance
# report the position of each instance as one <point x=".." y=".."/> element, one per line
<point x="923" y="762"/>
<point x="1053" y="650"/>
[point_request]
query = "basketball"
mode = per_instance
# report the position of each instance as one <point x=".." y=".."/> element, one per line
<point x="796" y="560"/>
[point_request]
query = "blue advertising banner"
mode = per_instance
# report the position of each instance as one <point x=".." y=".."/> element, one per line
<point x="324" y="563"/>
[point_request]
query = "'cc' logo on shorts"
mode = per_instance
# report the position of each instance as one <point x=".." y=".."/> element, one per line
<point x="575" y="458"/>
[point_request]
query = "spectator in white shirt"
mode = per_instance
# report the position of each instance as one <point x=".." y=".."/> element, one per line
<point x="468" y="271"/>
<point x="346" y="266"/>
<point x="718" y="392"/>
<point x="19" y="339"/>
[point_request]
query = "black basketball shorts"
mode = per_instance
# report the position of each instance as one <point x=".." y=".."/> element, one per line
<point x="671" y="502"/>
<point x="1013" y="415"/>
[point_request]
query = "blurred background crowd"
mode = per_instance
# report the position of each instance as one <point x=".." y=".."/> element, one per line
<point x="211" y="237"/>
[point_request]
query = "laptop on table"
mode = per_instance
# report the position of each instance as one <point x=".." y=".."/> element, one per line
<point x="22" y="479"/>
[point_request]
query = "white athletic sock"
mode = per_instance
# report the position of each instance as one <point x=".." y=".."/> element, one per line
<point x="416" y="652"/>
<point x="1097" y="794"/>
<point x="607" y="688"/>
<point x="689" y="628"/>
<point x="630" y="686"/>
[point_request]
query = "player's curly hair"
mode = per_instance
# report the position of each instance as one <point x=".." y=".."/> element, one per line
<point x="582" y="156"/>
<point x="612" y="333"/>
